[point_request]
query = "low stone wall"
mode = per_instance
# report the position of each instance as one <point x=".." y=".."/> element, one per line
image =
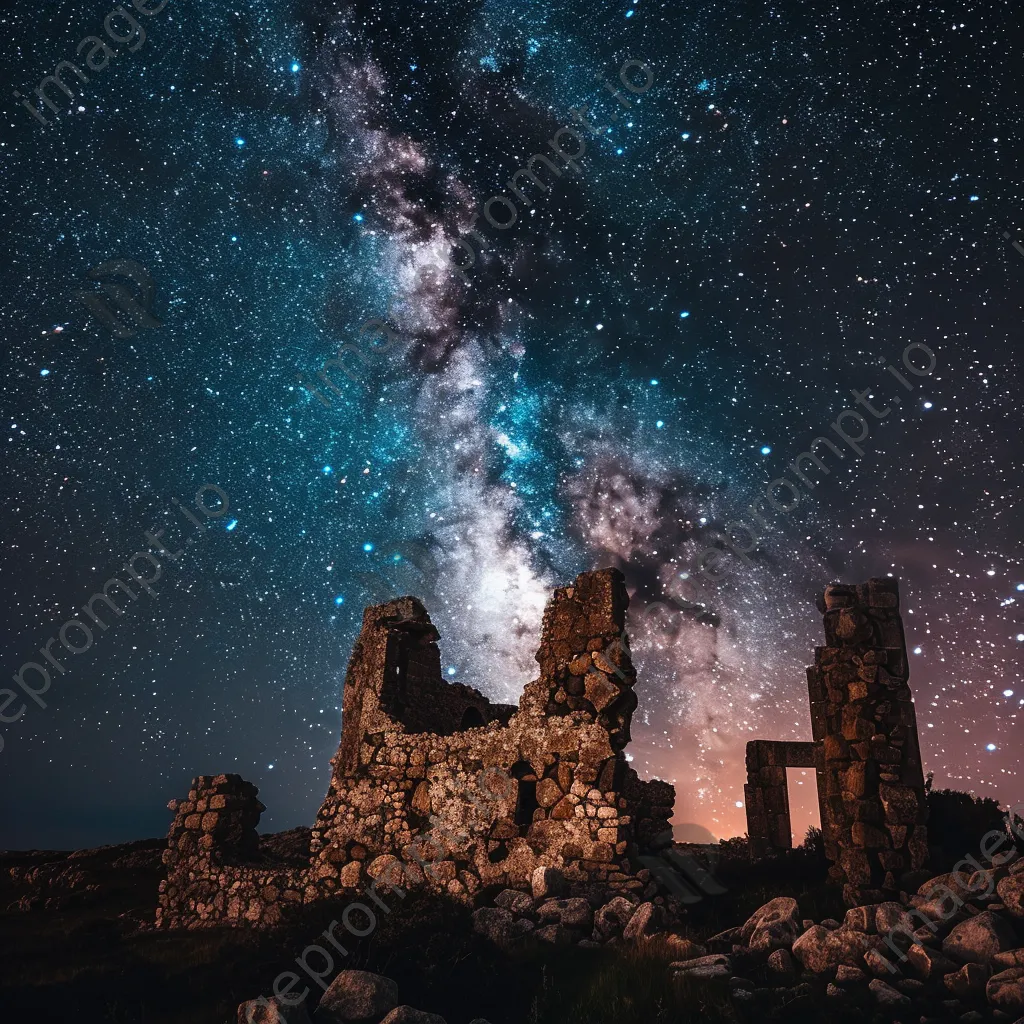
<point x="212" y="861"/>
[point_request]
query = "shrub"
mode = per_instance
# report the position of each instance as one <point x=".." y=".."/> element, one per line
<point x="957" y="821"/>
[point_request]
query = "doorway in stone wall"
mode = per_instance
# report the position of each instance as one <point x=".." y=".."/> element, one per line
<point x="526" y="794"/>
<point x="804" y="812"/>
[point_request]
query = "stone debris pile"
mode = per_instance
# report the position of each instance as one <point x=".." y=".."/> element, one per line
<point x="954" y="950"/>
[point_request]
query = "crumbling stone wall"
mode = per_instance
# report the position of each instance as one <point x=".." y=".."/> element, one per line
<point x="870" y="780"/>
<point x="432" y="778"/>
<point x="214" y="871"/>
<point x="766" y="794"/>
<point x="565" y="804"/>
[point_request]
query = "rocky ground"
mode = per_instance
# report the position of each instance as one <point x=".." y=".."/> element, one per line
<point x="961" y="957"/>
<point x="77" y="942"/>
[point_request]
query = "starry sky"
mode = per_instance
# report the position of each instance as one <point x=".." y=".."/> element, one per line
<point x="801" y="192"/>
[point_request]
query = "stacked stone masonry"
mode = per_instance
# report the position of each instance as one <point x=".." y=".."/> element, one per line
<point x="433" y="785"/>
<point x="766" y="793"/>
<point x="866" y="750"/>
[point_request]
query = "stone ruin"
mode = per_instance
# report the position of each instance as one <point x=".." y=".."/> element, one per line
<point x="436" y="786"/>
<point x="865" y="753"/>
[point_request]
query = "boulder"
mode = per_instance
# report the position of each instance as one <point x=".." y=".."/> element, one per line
<point x="983" y="883"/>
<point x="783" y="908"/>
<point x="812" y="949"/>
<point x="890" y="917"/>
<point x="272" y="1010"/>
<point x="717" y="965"/>
<point x="408" y="1015"/>
<point x="1011" y="958"/>
<point x="879" y="965"/>
<point x="1005" y="990"/>
<point x="356" y="996"/>
<point x="515" y="902"/>
<point x="781" y="963"/>
<point x="978" y="939"/>
<point x="909" y="986"/>
<point x="952" y="881"/>
<point x="646" y="921"/>
<point x="861" y="919"/>
<point x="886" y="995"/>
<point x="846" y="975"/>
<point x="929" y="963"/>
<point x="1011" y="892"/>
<point x="555" y="934"/>
<point x="819" y="949"/>
<point x="772" y="935"/>
<point x="613" y="917"/>
<point x="683" y="949"/>
<point x="724" y="941"/>
<point x="968" y="981"/>
<point x="711" y="960"/>
<point x="571" y="913"/>
<point x="499" y="926"/>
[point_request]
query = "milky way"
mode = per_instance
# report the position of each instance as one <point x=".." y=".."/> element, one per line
<point x="796" y="196"/>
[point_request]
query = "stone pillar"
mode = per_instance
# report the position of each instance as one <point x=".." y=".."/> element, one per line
<point x="216" y="825"/>
<point x="584" y="656"/>
<point x="861" y="711"/>
<point x="766" y="796"/>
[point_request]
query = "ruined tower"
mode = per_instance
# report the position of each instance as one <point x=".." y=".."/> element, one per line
<point x="865" y="751"/>
<point x="433" y="785"/>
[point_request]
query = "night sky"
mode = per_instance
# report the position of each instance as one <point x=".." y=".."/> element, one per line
<point x="781" y="201"/>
